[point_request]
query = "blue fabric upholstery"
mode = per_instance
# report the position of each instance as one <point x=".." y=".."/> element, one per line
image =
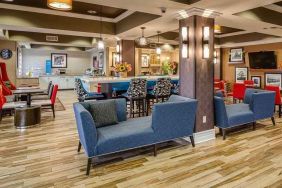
<point x="219" y="94"/>
<point x="170" y="120"/>
<point x="258" y="104"/>
<point x="120" y="86"/>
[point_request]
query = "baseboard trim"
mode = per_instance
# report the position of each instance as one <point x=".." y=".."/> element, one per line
<point x="204" y="136"/>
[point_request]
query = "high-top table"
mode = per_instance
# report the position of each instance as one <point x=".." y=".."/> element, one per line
<point x="28" y="92"/>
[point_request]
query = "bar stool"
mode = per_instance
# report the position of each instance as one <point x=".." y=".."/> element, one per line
<point x="160" y="93"/>
<point x="136" y="95"/>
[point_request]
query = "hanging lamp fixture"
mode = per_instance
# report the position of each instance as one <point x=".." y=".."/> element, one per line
<point x="142" y="41"/>
<point x="60" y="4"/>
<point x="101" y="44"/>
<point x="158" y="49"/>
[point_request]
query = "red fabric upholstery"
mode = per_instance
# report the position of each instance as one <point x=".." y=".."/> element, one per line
<point x="6" y="91"/>
<point x="4" y="76"/>
<point x="277" y="93"/>
<point x="216" y="80"/>
<point x="2" y="98"/>
<point x="54" y="94"/>
<point x="239" y="91"/>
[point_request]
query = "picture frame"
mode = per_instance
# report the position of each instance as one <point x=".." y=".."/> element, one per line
<point x="95" y="62"/>
<point x="101" y="60"/>
<point x="145" y="60"/>
<point x="241" y="74"/>
<point x="273" y="79"/>
<point x="236" y="55"/>
<point x="257" y="81"/>
<point x="59" y="60"/>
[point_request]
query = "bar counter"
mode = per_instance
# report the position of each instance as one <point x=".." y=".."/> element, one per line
<point x="91" y="83"/>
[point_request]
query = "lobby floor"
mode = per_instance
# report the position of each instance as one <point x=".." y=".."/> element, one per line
<point x="46" y="156"/>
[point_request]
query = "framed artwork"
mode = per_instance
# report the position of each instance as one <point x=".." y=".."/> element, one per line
<point x="273" y="79"/>
<point x="145" y="58"/>
<point x="257" y="81"/>
<point x="236" y="55"/>
<point x="59" y="60"/>
<point x="6" y="54"/>
<point x="241" y="74"/>
<point x="101" y="60"/>
<point x="95" y="62"/>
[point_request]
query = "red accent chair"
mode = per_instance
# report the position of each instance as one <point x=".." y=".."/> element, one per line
<point x="249" y="83"/>
<point x="48" y="102"/>
<point x="2" y="101"/>
<point x="238" y="92"/>
<point x="278" y="101"/>
<point x="5" y="78"/>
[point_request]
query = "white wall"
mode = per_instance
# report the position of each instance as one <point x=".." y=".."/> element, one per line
<point x="34" y="60"/>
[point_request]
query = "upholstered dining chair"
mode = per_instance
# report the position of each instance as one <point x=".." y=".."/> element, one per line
<point x="238" y="92"/>
<point x="83" y="94"/>
<point x="136" y="96"/>
<point x="278" y="101"/>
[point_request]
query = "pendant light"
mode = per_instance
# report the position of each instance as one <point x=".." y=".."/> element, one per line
<point x="158" y="49"/>
<point x="60" y="4"/>
<point x="142" y="41"/>
<point x="101" y="44"/>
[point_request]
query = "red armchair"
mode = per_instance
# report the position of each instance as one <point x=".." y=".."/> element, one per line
<point x="2" y="101"/>
<point x="249" y="83"/>
<point x="238" y="92"/>
<point x="278" y="101"/>
<point x="4" y="77"/>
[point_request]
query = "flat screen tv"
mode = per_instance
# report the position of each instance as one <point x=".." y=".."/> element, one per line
<point x="262" y="60"/>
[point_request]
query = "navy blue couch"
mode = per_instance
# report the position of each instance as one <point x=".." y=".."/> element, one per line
<point x="170" y="120"/>
<point x="257" y="105"/>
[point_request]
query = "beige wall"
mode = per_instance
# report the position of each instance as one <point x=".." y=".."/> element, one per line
<point x="10" y="63"/>
<point x="229" y="69"/>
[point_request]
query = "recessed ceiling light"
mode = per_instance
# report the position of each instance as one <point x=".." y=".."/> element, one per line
<point x="8" y="0"/>
<point x="91" y="11"/>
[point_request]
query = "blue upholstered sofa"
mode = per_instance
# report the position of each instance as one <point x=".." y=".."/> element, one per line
<point x="257" y="105"/>
<point x="170" y="120"/>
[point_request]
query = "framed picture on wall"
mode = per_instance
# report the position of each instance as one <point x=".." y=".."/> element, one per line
<point x="101" y="60"/>
<point x="95" y="62"/>
<point x="145" y="60"/>
<point x="236" y="55"/>
<point x="241" y="74"/>
<point x="59" y="60"/>
<point x="273" y="79"/>
<point x="257" y="81"/>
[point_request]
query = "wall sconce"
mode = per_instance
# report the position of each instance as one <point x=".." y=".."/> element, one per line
<point x="185" y="41"/>
<point x="205" y="42"/>
<point x="118" y="52"/>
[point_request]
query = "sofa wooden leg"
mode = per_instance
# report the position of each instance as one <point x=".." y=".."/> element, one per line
<point x="192" y="140"/>
<point x="53" y="109"/>
<point x="155" y="150"/>
<point x="273" y="120"/>
<point x="79" y="147"/>
<point x="220" y="131"/>
<point x="224" y="134"/>
<point x="254" y="126"/>
<point x="89" y="162"/>
<point x="0" y="115"/>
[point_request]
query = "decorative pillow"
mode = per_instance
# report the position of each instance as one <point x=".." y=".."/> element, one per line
<point x="104" y="113"/>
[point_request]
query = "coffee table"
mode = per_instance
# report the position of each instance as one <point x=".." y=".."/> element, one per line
<point x="27" y="116"/>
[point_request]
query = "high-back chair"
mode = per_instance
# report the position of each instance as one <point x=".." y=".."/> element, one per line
<point x="83" y="94"/>
<point x="278" y="101"/>
<point x="5" y="78"/>
<point x="249" y="83"/>
<point x="238" y="91"/>
<point x="136" y="95"/>
<point x="2" y="101"/>
<point x="162" y="88"/>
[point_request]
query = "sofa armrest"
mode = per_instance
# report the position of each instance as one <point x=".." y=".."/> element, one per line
<point x="263" y="104"/>
<point x="174" y="119"/>
<point x="221" y="119"/>
<point x="86" y="129"/>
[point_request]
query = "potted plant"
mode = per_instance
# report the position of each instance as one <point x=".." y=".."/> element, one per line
<point x="122" y="69"/>
<point x="169" y="68"/>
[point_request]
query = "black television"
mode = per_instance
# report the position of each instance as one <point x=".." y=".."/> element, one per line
<point x="262" y="60"/>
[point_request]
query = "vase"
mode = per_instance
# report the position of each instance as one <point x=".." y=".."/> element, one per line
<point x="123" y="74"/>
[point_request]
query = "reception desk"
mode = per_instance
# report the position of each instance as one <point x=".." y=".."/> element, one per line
<point x="91" y="83"/>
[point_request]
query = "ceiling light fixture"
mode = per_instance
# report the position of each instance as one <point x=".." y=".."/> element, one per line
<point x="60" y="4"/>
<point x="142" y="41"/>
<point x="158" y="49"/>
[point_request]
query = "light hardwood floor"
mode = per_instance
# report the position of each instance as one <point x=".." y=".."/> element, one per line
<point x="46" y="156"/>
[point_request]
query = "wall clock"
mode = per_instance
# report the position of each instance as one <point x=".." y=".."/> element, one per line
<point x="6" y="54"/>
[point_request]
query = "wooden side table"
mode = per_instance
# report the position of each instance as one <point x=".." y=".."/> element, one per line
<point x="27" y="116"/>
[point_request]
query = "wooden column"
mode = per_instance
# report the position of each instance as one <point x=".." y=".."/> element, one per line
<point x="128" y="54"/>
<point x="196" y="73"/>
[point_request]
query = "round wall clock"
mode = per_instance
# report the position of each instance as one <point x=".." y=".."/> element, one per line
<point x="6" y="54"/>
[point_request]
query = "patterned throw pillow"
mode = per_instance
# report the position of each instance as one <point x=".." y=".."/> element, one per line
<point x="104" y="113"/>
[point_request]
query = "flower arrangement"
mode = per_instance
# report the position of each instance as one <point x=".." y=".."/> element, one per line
<point x="169" y="67"/>
<point x="122" y="67"/>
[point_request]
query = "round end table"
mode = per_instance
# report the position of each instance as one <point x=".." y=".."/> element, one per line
<point x="27" y="116"/>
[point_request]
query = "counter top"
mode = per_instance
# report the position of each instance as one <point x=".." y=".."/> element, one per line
<point x="117" y="79"/>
